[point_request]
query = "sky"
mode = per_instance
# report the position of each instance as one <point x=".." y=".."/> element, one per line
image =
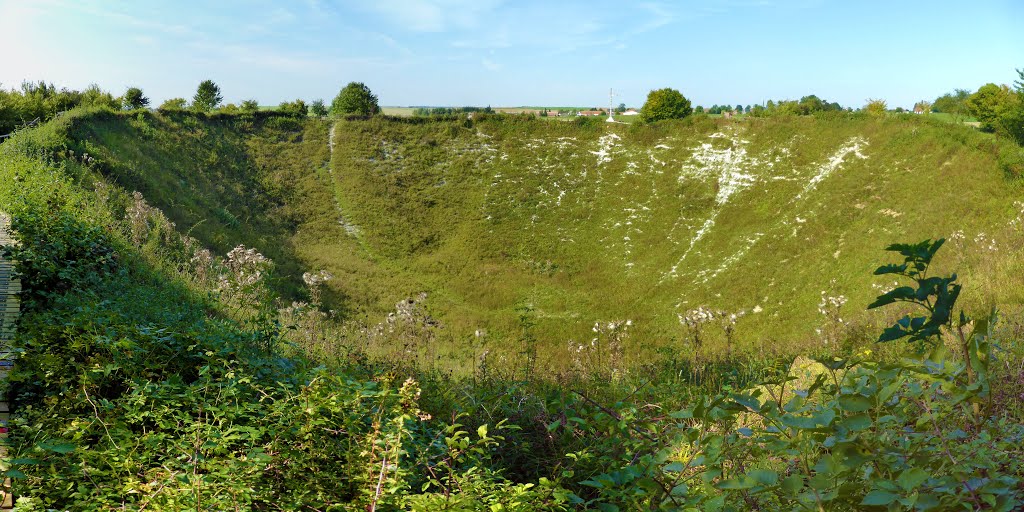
<point x="517" y="52"/>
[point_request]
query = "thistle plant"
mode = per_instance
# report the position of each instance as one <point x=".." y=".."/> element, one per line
<point x="603" y="356"/>
<point x="831" y="307"/>
<point x="315" y="281"/>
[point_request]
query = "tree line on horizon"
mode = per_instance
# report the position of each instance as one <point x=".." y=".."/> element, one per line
<point x="35" y="102"/>
<point x="998" y="108"/>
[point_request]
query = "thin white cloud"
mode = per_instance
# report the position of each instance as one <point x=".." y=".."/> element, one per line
<point x="271" y="60"/>
<point x="390" y="42"/>
<point x="490" y="65"/>
<point x="272" y="21"/>
<point x="434" y="15"/>
<point x="574" y="27"/>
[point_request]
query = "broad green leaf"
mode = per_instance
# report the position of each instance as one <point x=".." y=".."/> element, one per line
<point x="680" y="490"/>
<point x="792" y="484"/>
<point x="892" y="333"/>
<point x="764" y="476"/>
<point x="879" y="498"/>
<point x="747" y="401"/>
<point x="824" y="417"/>
<point x="818" y="382"/>
<point x="896" y="294"/>
<point x="891" y="268"/>
<point x="857" y="422"/>
<point x="854" y="403"/>
<point x="827" y="466"/>
<point x="740" y="482"/>
<point x="482" y="431"/>
<point x="798" y="422"/>
<point x="57" y="446"/>
<point x="912" y="478"/>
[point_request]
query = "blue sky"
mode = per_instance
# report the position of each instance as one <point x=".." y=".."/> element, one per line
<point x="518" y="52"/>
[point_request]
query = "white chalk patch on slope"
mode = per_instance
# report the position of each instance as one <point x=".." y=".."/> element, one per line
<point x="834" y="162"/>
<point x="605" y="145"/>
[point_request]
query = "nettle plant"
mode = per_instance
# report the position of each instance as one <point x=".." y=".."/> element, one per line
<point x="863" y="434"/>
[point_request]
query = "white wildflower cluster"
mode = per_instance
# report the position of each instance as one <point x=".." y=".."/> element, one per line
<point x="315" y="281"/>
<point x="881" y="288"/>
<point x="317" y="278"/>
<point x="695" y="318"/>
<point x="1018" y="221"/>
<point x="957" y="237"/>
<point x="480" y="341"/>
<point x="143" y="218"/>
<point x="85" y="158"/>
<point x="986" y="243"/>
<point x="305" y="323"/>
<point x="731" y="318"/>
<point x="102" y="190"/>
<point x="830" y="305"/>
<point x="603" y="356"/>
<point x="694" y="321"/>
<point x="409" y="323"/>
<point x="202" y="263"/>
<point x="245" y="267"/>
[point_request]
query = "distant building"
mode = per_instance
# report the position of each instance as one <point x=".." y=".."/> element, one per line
<point x="630" y="112"/>
<point x="591" y="113"/>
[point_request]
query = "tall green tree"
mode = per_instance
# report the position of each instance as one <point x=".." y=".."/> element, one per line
<point x="811" y="104"/>
<point x="989" y="104"/>
<point x="207" y="96"/>
<point x="665" y="103"/>
<point x="295" y="108"/>
<point x="133" y="99"/>
<point x="1012" y="120"/>
<point x="317" y="108"/>
<point x="355" y="98"/>
<point x="173" y="104"/>
<point x="249" y="106"/>
<point x="95" y="97"/>
<point x="876" y="107"/>
<point x="952" y="103"/>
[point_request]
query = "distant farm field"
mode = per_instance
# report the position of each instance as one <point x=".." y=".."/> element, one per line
<point x="397" y="111"/>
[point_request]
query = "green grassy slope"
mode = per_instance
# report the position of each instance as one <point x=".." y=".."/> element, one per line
<point x="594" y="222"/>
<point x="513" y="224"/>
<point x="148" y="385"/>
<point x="224" y="180"/>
